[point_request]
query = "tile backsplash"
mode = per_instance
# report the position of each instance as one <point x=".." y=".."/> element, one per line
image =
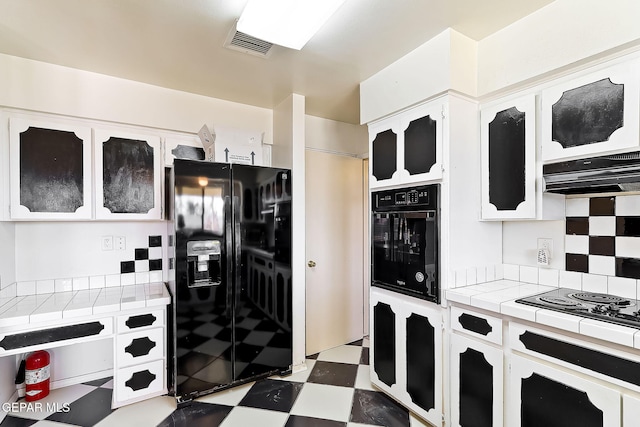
<point x="145" y="268"/>
<point x="603" y="236"/>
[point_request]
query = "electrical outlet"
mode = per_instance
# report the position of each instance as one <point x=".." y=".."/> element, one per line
<point x="107" y="243"/>
<point x="120" y="243"/>
<point x="546" y="243"/>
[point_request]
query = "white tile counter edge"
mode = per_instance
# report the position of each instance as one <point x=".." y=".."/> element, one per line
<point x="500" y="296"/>
<point x="28" y="310"/>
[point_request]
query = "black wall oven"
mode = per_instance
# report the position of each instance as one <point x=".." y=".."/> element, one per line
<point x="405" y="233"/>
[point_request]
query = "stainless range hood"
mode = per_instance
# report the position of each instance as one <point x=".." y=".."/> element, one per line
<point x="604" y="174"/>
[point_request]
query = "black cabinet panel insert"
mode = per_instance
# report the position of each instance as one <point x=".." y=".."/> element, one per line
<point x="51" y="170"/>
<point x="548" y="403"/>
<point x="507" y="159"/>
<point x="128" y="175"/>
<point x="420" y="145"/>
<point x="26" y="339"/>
<point x="588" y="114"/>
<point x="384" y="343"/>
<point x="421" y="365"/>
<point x="140" y="347"/>
<point x="475" y="324"/>
<point x="612" y="366"/>
<point x="385" y="154"/>
<point x="476" y="390"/>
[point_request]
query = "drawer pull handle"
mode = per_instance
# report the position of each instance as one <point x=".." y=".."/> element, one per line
<point x="140" y="321"/>
<point x="475" y="324"/>
<point x="140" y="380"/>
<point x="140" y="347"/>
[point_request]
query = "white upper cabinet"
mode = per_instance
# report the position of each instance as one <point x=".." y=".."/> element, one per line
<point x="182" y="147"/>
<point x="593" y="114"/>
<point x="407" y="148"/>
<point x="50" y="169"/>
<point x="128" y="175"/>
<point x="508" y="156"/>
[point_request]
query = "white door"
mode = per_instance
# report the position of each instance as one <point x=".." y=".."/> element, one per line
<point x="334" y="249"/>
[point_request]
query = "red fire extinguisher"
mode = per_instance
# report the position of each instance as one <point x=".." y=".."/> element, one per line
<point x="37" y="374"/>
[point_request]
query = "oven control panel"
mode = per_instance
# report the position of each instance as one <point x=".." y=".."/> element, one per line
<point x="423" y="197"/>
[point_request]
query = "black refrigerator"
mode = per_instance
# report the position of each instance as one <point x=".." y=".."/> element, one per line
<point x="230" y="282"/>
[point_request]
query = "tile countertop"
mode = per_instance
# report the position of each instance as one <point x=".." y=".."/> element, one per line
<point x="52" y="307"/>
<point x="499" y="297"/>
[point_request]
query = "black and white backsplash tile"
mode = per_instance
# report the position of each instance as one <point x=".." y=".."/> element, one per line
<point x="603" y="236"/>
<point x="140" y="266"/>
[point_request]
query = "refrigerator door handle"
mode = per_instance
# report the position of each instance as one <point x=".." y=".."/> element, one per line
<point x="228" y="239"/>
<point x="238" y="250"/>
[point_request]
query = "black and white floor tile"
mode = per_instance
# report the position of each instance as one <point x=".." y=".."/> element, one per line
<point x="334" y="391"/>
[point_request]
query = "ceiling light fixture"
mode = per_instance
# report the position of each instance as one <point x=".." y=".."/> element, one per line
<point x="288" y="23"/>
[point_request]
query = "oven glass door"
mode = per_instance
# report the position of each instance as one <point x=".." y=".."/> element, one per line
<point x="405" y="253"/>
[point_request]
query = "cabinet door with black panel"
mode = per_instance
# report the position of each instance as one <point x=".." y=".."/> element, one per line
<point x="407" y="147"/>
<point x="476" y="383"/>
<point x="50" y="171"/>
<point x="543" y="395"/>
<point x="128" y="175"/>
<point x="508" y="156"/>
<point x="383" y="148"/>
<point x="384" y="312"/>
<point x="406" y="351"/>
<point x="421" y="150"/>
<point x="593" y="114"/>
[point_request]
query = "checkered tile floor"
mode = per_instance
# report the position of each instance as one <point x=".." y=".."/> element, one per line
<point x="334" y="391"/>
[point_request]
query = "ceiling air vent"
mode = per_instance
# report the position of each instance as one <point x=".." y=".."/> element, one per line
<point x="242" y="42"/>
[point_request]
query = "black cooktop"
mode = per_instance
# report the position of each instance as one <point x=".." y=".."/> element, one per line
<point x="605" y="307"/>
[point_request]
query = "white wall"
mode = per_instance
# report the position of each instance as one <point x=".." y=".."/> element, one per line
<point x="469" y="241"/>
<point x="7" y="388"/>
<point x="563" y="33"/>
<point x="7" y="254"/>
<point x="61" y="250"/>
<point x="288" y="149"/>
<point x="447" y="61"/>
<point x="38" y="86"/>
<point x="520" y="240"/>
<point x="334" y="136"/>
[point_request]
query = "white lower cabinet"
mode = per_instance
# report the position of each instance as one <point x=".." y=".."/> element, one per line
<point x="140" y="369"/>
<point x="630" y="410"/>
<point x="475" y="382"/>
<point x="406" y="352"/>
<point x="544" y="395"/>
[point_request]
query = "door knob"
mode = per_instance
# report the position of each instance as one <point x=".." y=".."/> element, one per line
<point x="311" y="264"/>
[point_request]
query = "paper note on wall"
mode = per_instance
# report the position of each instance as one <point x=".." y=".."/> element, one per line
<point x="239" y="146"/>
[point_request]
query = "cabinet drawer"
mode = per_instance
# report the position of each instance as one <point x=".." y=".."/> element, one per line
<point x="479" y="325"/>
<point x="140" y="346"/>
<point x="139" y="381"/>
<point x="134" y="322"/>
<point x="35" y="339"/>
<point x="601" y="361"/>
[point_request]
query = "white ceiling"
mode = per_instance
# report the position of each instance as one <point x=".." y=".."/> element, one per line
<point x="178" y="44"/>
